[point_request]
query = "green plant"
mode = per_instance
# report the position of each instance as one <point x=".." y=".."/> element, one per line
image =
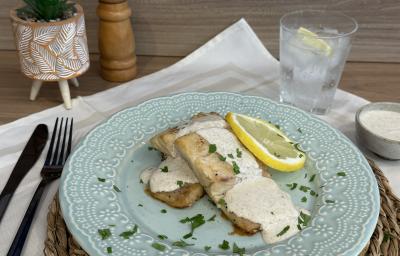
<point x="46" y="10"/>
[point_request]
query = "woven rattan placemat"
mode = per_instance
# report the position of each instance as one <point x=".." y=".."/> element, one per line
<point x="385" y="240"/>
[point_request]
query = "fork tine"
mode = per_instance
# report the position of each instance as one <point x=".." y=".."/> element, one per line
<point x="61" y="157"/>
<point x="69" y="139"/>
<point x="53" y="137"/>
<point x="55" y="155"/>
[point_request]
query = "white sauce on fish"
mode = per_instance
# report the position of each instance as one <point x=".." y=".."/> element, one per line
<point x="178" y="170"/>
<point x="146" y="174"/>
<point x="254" y="197"/>
<point x="228" y="144"/>
<point x="204" y="122"/>
<point x="262" y="201"/>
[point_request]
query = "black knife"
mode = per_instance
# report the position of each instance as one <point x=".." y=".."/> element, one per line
<point x="26" y="160"/>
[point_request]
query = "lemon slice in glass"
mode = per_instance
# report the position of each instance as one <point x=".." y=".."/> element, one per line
<point x="268" y="143"/>
<point x="311" y="39"/>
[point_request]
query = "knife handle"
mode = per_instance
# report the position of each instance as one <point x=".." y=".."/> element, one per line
<point x="23" y="230"/>
<point x="5" y="198"/>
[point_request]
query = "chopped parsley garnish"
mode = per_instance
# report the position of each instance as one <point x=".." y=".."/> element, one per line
<point x="304" y="188"/>
<point x="179" y="183"/>
<point x="111" y="225"/>
<point x="222" y="202"/>
<point x="272" y="213"/>
<point x="151" y="148"/>
<point x="238" y="250"/>
<point x="330" y="201"/>
<point x="341" y="174"/>
<point x="116" y="188"/>
<point x="188" y="235"/>
<point x="212" y="148"/>
<point x="224" y="245"/>
<point x="277" y="127"/>
<point x="162" y="237"/>
<point x="292" y="186"/>
<point x="284" y="230"/>
<point x="194" y="238"/>
<point x="301" y="155"/>
<point x="387" y="236"/>
<point x="207" y="248"/>
<point x="313" y="193"/>
<point x="277" y="155"/>
<point x="127" y="234"/>
<point x="109" y="249"/>
<point x="236" y="168"/>
<point x="222" y="158"/>
<point x="304" y="199"/>
<point x="158" y="246"/>
<point x="302" y="220"/>
<point x="299" y="130"/>
<point x="163" y="211"/>
<point x="312" y="178"/>
<point x="141" y="181"/>
<point x="101" y="179"/>
<point x="305" y="175"/>
<point x="181" y="244"/>
<point x="195" y="222"/>
<point x="212" y="218"/>
<point x="230" y="156"/>
<point x="164" y="169"/>
<point x="140" y="205"/>
<point x="104" y="233"/>
<point x="238" y="153"/>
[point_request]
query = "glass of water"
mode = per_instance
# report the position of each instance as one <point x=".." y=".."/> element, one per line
<point x="314" y="46"/>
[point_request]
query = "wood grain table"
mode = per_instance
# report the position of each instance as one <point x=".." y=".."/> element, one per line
<point x="373" y="81"/>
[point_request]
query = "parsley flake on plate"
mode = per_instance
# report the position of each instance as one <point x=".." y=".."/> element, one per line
<point x="164" y="169"/>
<point x="330" y="201"/>
<point x="341" y="174"/>
<point x="109" y="250"/>
<point x="116" y="188"/>
<point x="162" y="237"/>
<point x="212" y="218"/>
<point x="127" y="234"/>
<point x="292" y="186"/>
<point x="222" y="158"/>
<point x="224" y="245"/>
<point x="101" y="179"/>
<point x="163" y="211"/>
<point x="238" y="250"/>
<point x="230" y="156"/>
<point x="181" y="244"/>
<point x="158" y="246"/>
<point x="104" y="233"/>
<point x="207" y="248"/>
<point x="304" y="199"/>
<point x="312" y="178"/>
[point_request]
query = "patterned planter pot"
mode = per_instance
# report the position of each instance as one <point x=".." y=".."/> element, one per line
<point x="52" y="51"/>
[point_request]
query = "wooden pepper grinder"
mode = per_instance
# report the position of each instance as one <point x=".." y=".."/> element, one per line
<point x="116" y="41"/>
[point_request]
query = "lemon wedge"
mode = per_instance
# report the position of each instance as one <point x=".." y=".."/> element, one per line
<point x="311" y="39"/>
<point x="268" y="143"/>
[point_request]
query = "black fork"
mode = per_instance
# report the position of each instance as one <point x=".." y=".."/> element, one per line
<point x="55" y="160"/>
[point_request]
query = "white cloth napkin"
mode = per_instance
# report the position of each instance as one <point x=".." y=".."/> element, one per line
<point x="235" y="60"/>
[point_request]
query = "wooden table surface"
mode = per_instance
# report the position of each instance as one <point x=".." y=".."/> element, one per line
<point x="372" y="81"/>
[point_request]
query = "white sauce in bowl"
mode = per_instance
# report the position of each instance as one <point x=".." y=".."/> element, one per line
<point x="385" y="123"/>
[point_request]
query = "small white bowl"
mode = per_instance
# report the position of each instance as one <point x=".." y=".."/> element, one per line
<point x="377" y="143"/>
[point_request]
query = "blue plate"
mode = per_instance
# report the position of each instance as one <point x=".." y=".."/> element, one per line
<point x="100" y="188"/>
